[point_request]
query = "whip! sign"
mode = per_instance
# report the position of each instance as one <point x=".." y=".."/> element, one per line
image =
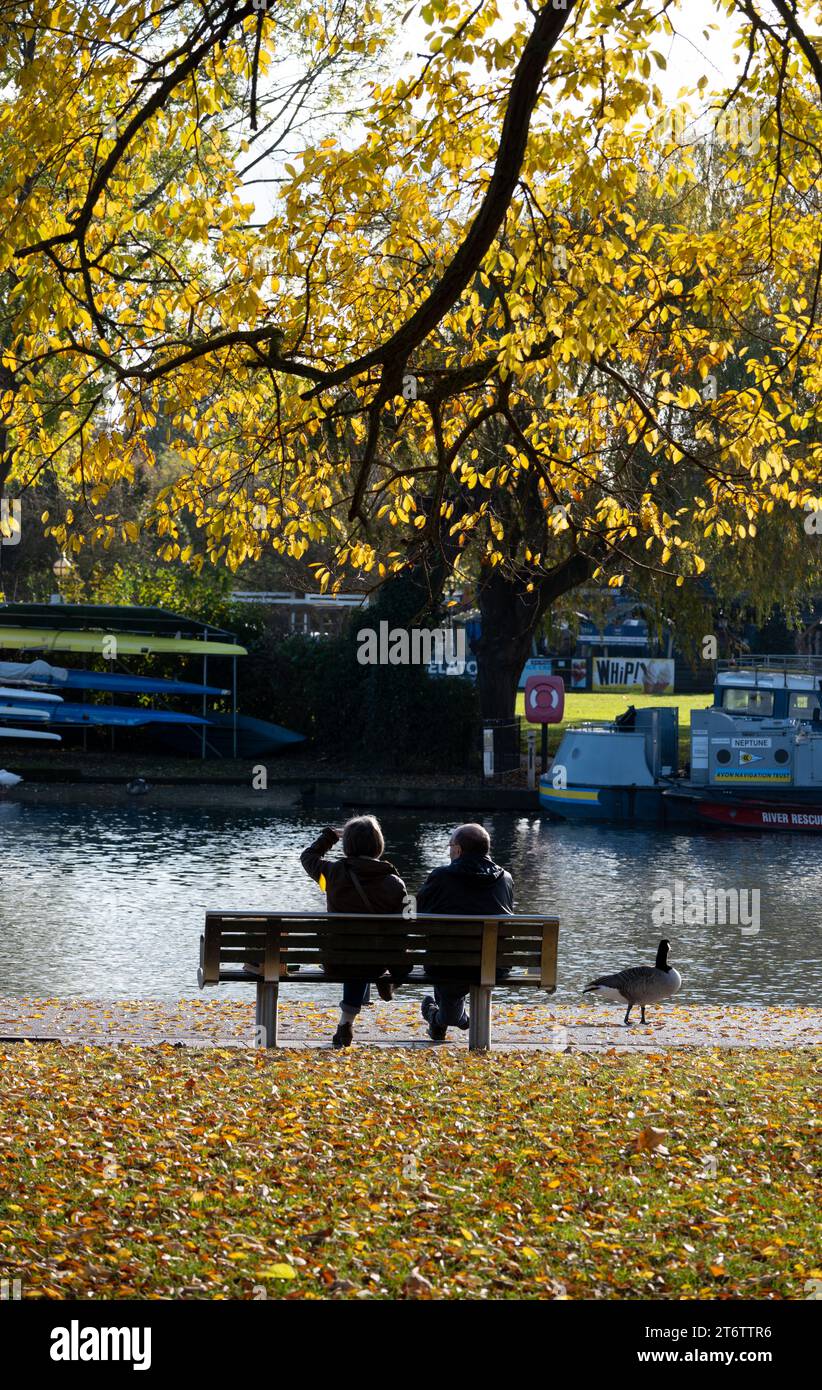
<point x="650" y="675"/>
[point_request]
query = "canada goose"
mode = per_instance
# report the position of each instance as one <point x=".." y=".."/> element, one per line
<point x="9" y="780"/>
<point x="641" y="984"/>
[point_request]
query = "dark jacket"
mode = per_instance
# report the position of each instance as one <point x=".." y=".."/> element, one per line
<point x="472" y="885"/>
<point x="469" y="886"/>
<point x="380" y="881"/>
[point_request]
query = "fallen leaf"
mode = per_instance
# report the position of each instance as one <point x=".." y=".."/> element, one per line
<point x="648" y="1139"/>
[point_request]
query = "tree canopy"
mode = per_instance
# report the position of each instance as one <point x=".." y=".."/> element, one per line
<point x="501" y="269"/>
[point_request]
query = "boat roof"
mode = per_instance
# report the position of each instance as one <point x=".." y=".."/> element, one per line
<point x="771" y="672"/>
<point x="81" y="617"/>
<point x="769" y="680"/>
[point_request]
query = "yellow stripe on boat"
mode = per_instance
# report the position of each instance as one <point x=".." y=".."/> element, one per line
<point x="568" y="794"/>
<point x="43" y="639"/>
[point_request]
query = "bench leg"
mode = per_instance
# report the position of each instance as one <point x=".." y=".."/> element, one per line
<point x="479" y="1031"/>
<point x="266" y="1018"/>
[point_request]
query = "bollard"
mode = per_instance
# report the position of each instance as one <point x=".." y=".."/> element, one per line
<point x="488" y="752"/>
<point x="532" y="759"/>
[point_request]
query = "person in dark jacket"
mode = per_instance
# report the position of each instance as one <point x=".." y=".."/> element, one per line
<point x="362" y="881"/>
<point x="471" y="885"/>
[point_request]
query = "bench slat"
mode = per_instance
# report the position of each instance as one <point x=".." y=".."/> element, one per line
<point x="253" y="921"/>
<point x="385" y="927"/>
<point x="289" y="918"/>
<point x="381" y="960"/>
<point x="319" y="977"/>
<point x="244" y="941"/>
<point x="231" y="938"/>
<point x="357" y="943"/>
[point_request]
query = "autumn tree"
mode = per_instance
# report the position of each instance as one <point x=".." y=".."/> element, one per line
<point x="457" y="309"/>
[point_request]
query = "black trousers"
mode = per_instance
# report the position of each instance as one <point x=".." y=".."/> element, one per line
<point x="451" y="995"/>
<point x="450" y="1003"/>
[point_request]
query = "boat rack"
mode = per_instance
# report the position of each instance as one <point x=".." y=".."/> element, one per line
<point x="73" y="627"/>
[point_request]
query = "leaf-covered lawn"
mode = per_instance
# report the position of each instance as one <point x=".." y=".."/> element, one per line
<point x="168" y="1173"/>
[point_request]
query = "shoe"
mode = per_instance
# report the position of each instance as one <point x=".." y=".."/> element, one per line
<point x="429" y="1010"/>
<point x="344" y="1035"/>
<point x="464" y="1023"/>
<point x="385" y="988"/>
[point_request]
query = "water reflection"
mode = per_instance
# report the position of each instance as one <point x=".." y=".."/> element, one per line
<point x="109" y="903"/>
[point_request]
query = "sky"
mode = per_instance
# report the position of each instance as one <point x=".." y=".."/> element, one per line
<point x="689" y="54"/>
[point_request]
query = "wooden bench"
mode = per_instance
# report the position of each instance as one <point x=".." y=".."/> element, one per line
<point x="327" y="948"/>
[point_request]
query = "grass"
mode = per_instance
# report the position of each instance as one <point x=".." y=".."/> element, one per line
<point x="589" y="705"/>
<point x="385" y="1174"/>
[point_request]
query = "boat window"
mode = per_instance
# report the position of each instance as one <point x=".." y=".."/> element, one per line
<point x="748" y="701"/>
<point x="803" y="706"/>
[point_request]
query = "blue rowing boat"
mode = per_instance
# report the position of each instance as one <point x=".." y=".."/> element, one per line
<point x="40" y="673"/>
<point x="97" y="716"/>
<point x="255" y="737"/>
<point x="124" y="684"/>
<point x="38" y="734"/>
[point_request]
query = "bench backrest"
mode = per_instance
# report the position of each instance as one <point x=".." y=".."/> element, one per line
<point x="336" y="941"/>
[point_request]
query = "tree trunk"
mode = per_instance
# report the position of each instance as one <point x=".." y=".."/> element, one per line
<point x="509" y="619"/>
<point x="510" y="616"/>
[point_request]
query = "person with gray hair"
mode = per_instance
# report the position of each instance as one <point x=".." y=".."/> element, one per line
<point x="471" y="885"/>
<point x="360" y="882"/>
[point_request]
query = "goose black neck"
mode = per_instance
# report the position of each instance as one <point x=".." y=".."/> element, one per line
<point x="662" y="956"/>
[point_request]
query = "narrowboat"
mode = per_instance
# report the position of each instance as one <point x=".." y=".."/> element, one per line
<point x="755" y="757"/>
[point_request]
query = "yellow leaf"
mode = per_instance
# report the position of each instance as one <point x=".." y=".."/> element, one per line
<point x="278" y="1272"/>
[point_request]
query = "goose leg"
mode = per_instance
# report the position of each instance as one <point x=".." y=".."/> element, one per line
<point x="627" y="1012"/>
<point x="643" y="1012"/>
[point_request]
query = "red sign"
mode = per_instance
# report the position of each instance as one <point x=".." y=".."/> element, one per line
<point x="544" y="699"/>
<point x="761" y="817"/>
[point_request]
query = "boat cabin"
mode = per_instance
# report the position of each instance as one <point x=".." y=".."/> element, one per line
<point x="770" y="687"/>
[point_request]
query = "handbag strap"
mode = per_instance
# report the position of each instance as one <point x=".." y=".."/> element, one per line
<point x="356" y="882"/>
